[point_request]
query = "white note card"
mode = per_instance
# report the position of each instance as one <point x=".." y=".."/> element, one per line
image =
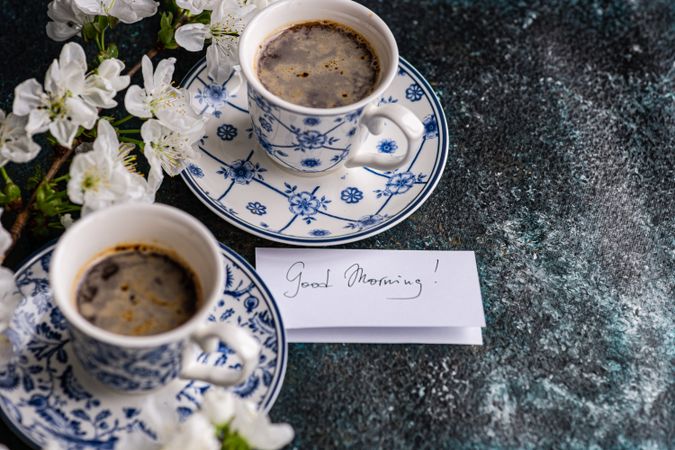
<point x="377" y="296"/>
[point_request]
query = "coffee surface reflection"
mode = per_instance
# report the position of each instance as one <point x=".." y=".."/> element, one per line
<point x="137" y="290"/>
<point x="320" y="64"/>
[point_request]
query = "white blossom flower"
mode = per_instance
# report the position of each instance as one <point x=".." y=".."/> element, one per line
<point x="101" y="177"/>
<point x="172" y="149"/>
<point x="197" y="6"/>
<point x="58" y="107"/>
<point x="228" y="21"/>
<point x="221" y="406"/>
<point x="197" y="432"/>
<point x="5" y="240"/>
<point x="15" y="143"/>
<point x="160" y="419"/>
<point x="102" y="85"/>
<point x="127" y="11"/>
<point x="159" y="98"/>
<point x="255" y="427"/>
<point x="261" y="4"/>
<point x="67" y="18"/>
<point x="9" y="299"/>
<point x="52" y="444"/>
<point x="66" y="220"/>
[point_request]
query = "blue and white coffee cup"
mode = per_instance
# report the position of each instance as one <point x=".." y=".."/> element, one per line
<point x="136" y="364"/>
<point x="314" y="141"/>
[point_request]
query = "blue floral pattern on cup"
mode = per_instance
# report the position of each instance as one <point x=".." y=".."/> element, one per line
<point x="43" y="398"/>
<point x="340" y="207"/>
<point x="134" y="370"/>
<point x="310" y="162"/>
<point x="265" y="125"/>
<point x="327" y="140"/>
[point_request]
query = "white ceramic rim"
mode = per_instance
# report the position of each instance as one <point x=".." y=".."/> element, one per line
<point x="247" y="60"/>
<point x="60" y="290"/>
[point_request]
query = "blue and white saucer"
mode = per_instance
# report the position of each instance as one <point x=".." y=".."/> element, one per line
<point x="237" y="180"/>
<point x="42" y="397"/>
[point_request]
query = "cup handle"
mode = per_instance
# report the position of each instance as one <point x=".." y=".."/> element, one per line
<point x="207" y="338"/>
<point x="403" y="118"/>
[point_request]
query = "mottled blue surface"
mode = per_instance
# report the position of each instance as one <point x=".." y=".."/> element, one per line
<point x="561" y="178"/>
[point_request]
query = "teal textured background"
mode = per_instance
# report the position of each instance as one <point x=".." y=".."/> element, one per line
<point x="561" y="177"/>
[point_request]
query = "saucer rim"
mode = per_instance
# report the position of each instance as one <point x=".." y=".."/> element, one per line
<point x="278" y="320"/>
<point x="225" y="250"/>
<point x="324" y="241"/>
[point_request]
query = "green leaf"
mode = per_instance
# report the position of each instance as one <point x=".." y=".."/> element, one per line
<point x="100" y="23"/>
<point x="204" y="17"/>
<point x="13" y="192"/>
<point x="230" y="440"/>
<point x="170" y="5"/>
<point x="40" y="195"/>
<point x="234" y="442"/>
<point x="89" y="33"/>
<point x="166" y="31"/>
<point x="110" y="52"/>
<point x="35" y="179"/>
<point x="166" y="19"/>
<point x="51" y="202"/>
<point x="113" y="51"/>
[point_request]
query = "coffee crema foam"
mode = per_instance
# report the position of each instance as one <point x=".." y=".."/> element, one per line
<point x="138" y="290"/>
<point x="321" y="64"/>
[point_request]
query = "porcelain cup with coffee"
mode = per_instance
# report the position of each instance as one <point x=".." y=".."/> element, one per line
<point x="129" y="347"/>
<point x="318" y="137"/>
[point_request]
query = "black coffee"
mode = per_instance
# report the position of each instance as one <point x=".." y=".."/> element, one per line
<point x="318" y="64"/>
<point x="138" y="290"/>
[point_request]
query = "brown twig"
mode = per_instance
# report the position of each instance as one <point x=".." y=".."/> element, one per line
<point x="62" y="155"/>
<point x="150" y="54"/>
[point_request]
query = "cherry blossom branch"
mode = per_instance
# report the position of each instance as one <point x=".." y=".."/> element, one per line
<point x="62" y="155"/>
<point x="150" y="54"/>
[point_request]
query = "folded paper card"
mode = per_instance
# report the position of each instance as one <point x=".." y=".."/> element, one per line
<point x="375" y="295"/>
<point x="380" y="335"/>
